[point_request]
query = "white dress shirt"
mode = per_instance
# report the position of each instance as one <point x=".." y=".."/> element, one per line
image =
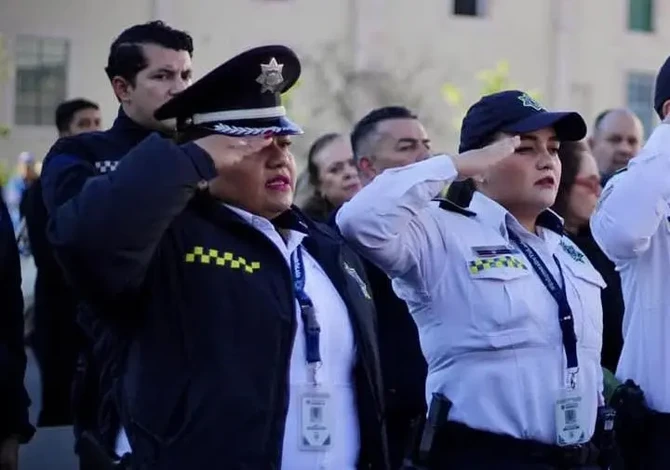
<point x="491" y="336"/>
<point x="335" y="374"/>
<point x="632" y="228"/>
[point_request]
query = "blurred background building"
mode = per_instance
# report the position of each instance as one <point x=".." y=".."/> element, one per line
<point x="436" y="56"/>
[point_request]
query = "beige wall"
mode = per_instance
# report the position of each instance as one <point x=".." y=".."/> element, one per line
<point x="574" y="52"/>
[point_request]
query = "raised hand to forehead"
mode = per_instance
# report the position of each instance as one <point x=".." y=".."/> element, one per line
<point x="476" y="162"/>
<point x="227" y="150"/>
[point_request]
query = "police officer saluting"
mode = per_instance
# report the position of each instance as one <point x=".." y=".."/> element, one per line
<point x="632" y="226"/>
<point x="508" y="309"/>
<point x="250" y="331"/>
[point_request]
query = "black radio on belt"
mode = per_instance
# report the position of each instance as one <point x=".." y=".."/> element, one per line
<point x="438" y="413"/>
<point x="418" y="453"/>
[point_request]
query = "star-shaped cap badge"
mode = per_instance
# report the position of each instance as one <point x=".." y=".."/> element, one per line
<point x="271" y="77"/>
<point x="529" y="102"/>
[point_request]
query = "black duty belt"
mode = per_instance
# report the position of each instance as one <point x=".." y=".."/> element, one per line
<point x="458" y="437"/>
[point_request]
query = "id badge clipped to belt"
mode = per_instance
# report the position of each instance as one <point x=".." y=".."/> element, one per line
<point x="570" y="422"/>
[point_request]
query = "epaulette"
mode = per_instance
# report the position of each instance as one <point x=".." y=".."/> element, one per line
<point x="450" y="206"/>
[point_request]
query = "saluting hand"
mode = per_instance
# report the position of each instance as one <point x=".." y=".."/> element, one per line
<point x="227" y="151"/>
<point x="477" y="162"/>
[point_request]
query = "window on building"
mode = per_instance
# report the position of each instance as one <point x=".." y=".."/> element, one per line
<point x="641" y="15"/>
<point x="640" y="98"/>
<point x="41" y="79"/>
<point x="469" y="7"/>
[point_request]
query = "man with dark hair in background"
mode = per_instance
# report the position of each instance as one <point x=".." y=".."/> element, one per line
<point x="77" y="116"/>
<point x="55" y="338"/>
<point x="147" y="65"/>
<point x="387" y="138"/>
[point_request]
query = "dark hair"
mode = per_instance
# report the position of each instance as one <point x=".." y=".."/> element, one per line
<point x="67" y="109"/>
<point x="317" y="146"/>
<point x="570" y="155"/>
<point x="599" y="119"/>
<point x="316" y="205"/>
<point x="126" y="57"/>
<point x="368" y="124"/>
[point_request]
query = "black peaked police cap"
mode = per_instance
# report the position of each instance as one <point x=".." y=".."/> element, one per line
<point x="241" y="97"/>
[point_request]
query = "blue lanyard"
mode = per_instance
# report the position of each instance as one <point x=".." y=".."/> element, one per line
<point x="565" y="318"/>
<point x="311" y="326"/>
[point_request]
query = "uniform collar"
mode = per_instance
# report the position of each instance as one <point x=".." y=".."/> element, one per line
<point x="130" y="129"/>
<point x="289" y="220"/>
<point x="492" y="214"/>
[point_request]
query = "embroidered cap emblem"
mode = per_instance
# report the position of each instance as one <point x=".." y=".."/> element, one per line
<point x="529" y="102"/>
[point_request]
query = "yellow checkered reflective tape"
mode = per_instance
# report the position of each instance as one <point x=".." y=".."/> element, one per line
<point x="225" y="259"/>
<point x="480" y="264"/>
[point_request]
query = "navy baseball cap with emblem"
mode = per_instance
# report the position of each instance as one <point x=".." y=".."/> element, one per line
<point x="515" y="112"/>
<point x="241" y="97"/>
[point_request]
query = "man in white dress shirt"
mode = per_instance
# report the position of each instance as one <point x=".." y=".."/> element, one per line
<point x="632" y="226"/>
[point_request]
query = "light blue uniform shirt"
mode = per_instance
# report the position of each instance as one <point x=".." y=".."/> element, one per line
<point x="488" y="326"/>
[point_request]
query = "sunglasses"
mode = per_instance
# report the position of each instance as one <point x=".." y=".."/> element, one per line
<point x="592" y="183"/>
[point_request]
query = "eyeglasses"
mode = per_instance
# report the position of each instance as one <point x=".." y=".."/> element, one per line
<point x="592" y="183"/>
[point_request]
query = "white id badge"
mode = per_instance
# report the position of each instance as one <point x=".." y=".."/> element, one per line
<point x="570" y="429"/>
<point x="315" y="422"/>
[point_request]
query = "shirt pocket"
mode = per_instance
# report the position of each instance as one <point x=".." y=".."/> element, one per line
<point x="587" y="285"/>
<point x="495" y="313"/>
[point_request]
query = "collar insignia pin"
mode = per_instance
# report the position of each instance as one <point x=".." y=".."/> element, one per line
<point x="574" y="254"/>
<point x="361" y="284"/>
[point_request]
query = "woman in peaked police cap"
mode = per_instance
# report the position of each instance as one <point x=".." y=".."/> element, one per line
<point x="508" y="309"/>
<point x="250" y="329"/>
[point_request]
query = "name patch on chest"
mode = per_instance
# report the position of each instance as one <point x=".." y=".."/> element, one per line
<point x="493" y="251"/>
<point x="200" y="254"/>
<point x="478" y="265"/>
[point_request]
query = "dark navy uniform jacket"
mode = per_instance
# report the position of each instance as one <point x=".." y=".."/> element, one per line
<point x="14" y="400"/>
<point x="91" y="154"/>
<point x="207" y="306"/>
